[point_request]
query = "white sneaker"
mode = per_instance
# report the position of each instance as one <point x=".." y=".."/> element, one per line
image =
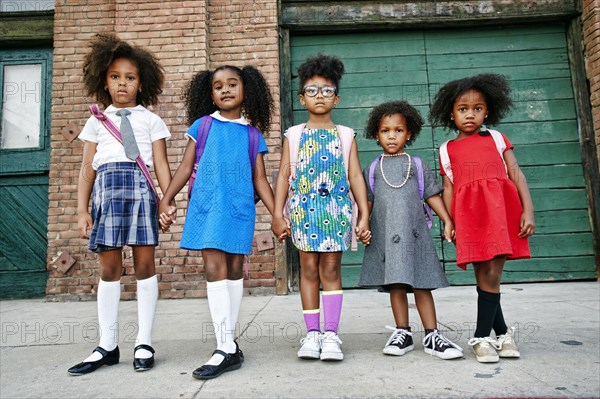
<point x="331" y="347"/>
<point x="435" y="344"/>
<point x="506" y="344"/>
<point x="399" y="343"/>
<point x="485" y="350"/>
<point x="311" y="346"/>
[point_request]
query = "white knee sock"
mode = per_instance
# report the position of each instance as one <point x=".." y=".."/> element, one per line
<point x="236" y="292"/>
<point x="109" y="294"/>
<point x="147" y="296"/>
<point x="220" y="309"/>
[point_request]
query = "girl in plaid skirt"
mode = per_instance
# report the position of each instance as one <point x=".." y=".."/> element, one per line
<point x="125" y="79"/>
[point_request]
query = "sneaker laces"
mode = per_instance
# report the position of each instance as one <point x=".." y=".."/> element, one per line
<point x="439" y="341"/>
<point x="478" y="340"/>
<point x="398" y="336"/>
<point x="505" y="338"/>
<point x="331" y="337"/>
<point x="312" y="336"/>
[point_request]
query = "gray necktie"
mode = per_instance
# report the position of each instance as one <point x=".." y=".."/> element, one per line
<point x="131" y="149"/>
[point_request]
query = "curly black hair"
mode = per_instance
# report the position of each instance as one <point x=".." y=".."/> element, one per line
<point x="257" y="106"/>
<point x="495" y="88"/>
<point x="328" y="66"/>
<point x="104" y="49"/>
<point x="414" y="120"/>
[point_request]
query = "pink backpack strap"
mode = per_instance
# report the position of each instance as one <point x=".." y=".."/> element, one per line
<point x="445" y="160"/>
<point x="114" y="131"/>
<point x="347" y="138"/>
<point x="500" y="145"/>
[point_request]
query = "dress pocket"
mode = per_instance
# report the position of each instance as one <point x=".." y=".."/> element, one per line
<point x="203" y="200"/>
<point x="241" y="205"/>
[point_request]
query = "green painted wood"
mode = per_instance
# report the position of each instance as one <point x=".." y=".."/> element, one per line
<point x="24" y="195"/>
<point x="525" y="132"/>
<point x="29" y="284"/>
<point x="542" y="125"/>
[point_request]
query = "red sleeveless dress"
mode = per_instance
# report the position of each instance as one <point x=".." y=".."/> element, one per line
<point x="486" y="206"/>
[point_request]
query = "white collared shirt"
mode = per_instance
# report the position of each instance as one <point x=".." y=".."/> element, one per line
<point x="147" y="128"/>
<point x="242" y="120"/>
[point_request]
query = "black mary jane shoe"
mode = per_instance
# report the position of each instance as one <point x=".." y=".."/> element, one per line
<point x="239" y="352"/>
<point x="231" y="361"/>
<point x="140" y="364"/>
<point x="108" y="358"/>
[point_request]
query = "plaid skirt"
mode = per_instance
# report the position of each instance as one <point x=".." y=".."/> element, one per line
<point x="124" y="209"/>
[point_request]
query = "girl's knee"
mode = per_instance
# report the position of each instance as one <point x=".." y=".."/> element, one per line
<point x="310" y="273"/>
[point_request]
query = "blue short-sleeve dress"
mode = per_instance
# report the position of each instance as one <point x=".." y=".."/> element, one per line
<point x="221" y="212"/>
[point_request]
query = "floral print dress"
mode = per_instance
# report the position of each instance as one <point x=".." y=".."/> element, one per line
<point x="320" y="207"/>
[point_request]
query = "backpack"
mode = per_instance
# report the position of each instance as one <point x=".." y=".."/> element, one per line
<point x="420" y="181"/>
<point x="445" y="158"/>
<point x="294" y="133"/>
<point x="203" y="130"/>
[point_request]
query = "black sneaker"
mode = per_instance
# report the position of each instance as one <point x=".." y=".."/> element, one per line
<point x="399" y="343"/>
<point x="435" y="344"/>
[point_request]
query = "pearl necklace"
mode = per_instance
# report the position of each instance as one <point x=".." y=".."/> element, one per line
<point x="407" y="171"/>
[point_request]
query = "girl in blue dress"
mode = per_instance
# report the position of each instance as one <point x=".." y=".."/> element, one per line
<point x="221" y="211"/>
<point x="319" y="162"/>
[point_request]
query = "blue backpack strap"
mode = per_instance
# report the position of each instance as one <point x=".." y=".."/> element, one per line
<point x="372" y="167"/>
<point x="421" y="184"/>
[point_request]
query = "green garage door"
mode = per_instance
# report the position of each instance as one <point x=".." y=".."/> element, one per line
<point x="412" y="66"/>
<point x="25" y="89"/>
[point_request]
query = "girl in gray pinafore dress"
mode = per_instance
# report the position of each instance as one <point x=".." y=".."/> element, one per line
<point x="402" y="257"/>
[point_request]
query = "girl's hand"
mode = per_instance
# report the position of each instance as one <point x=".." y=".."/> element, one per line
<point x="527" y="224"/>
<point x="363" y="231"/>
<point x="281" y="227"/>
<point x="449" y="232"/>
<point x="166" y="216"/>
<point x="84" y="225"/>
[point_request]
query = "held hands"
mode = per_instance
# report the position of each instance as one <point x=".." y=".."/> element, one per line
<point x="84" y="225"/>
<point x="363" y="232"/>
<point x="167" y="215"/>
<point x="281" y="227"/>
<point x="527" y="224"/>
<point x="449" y="232"/>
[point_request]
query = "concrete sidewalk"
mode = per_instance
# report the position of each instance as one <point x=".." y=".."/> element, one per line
<point x="558" y="333"/>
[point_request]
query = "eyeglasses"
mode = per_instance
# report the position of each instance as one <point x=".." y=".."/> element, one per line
<point x="326" y="91"/>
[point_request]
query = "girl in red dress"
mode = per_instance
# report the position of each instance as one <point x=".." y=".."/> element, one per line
<point x="488" y="197"/>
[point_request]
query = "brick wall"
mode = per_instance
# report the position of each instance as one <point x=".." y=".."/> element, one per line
<point x="591" y="42"/>
<point x="239" y="33"/>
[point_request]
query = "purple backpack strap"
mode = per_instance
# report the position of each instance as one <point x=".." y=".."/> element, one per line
<point x="372" y="167"/>
<point x="253" y="135"/>
<point x="421" y="184"/>
<point x="203" y="129"/>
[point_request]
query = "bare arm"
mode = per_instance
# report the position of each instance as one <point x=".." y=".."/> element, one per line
<point x="161" y="163"/>
<point x="437" y="204"/>
<point x="359" y="191"/>
<point x="448" y="194"/>
<point x="280" y="227"/>
<point x="87" y="176"/>
<point x="516" y="175"/>
<point x="261" y="184"/>
<point x="181" y="176"/>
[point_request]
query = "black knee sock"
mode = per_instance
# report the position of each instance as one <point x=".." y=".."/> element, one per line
<point x="487" y="304"/>
<point x="500" y="327"/>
